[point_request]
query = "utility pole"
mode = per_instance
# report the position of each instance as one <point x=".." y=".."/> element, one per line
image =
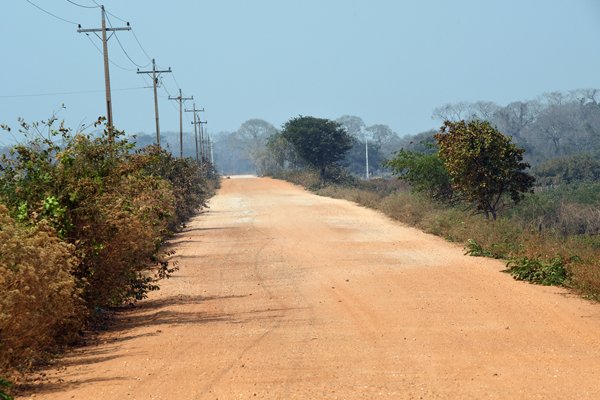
<point x="195" y="123"/>
<point x="104" y="38"/>
<point x="181" y="99"/>
<point x="202" y="140"/>
<point x="154" y="73"/>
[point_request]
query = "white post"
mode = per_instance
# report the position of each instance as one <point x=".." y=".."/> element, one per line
<point x="367" y="156"/>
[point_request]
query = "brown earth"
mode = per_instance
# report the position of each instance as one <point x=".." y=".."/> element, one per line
<point x="286" y="295"/>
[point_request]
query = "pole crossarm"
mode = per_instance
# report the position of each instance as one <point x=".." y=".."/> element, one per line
<point x="158" y="71"/>
<point x="82" y="30"/>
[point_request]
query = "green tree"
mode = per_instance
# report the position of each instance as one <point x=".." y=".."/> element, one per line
<point x="424" y="172"/>
<point x="319" y="142"/>
<point x="484" y="164"/>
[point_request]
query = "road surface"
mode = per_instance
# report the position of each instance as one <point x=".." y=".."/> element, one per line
<point x="282" y="294"/>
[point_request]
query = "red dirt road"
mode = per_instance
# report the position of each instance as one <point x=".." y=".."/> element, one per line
<point x="282" y="294"/>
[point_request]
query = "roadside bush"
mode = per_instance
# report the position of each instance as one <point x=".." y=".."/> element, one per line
<point x="538" y="271"/>
<point x="82" y="220"/>
<point x="191" y="183"/>
<point x="39" y="298"/>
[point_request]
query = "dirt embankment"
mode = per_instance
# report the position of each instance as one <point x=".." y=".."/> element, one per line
<point x="285" y="295"/>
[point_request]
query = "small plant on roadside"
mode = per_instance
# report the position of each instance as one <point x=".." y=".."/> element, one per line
<point x="5" y="385"/>
<point x="474" y="249"/>
<point x="539" y="272"/>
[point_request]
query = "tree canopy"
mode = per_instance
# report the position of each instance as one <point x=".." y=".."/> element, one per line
<point x="319" y="142"/>
<point x="484" y="164"/>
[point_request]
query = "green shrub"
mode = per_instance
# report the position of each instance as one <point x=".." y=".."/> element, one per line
<point x="425" y="173"/>
<point x="5" y="385"/>
<point x="538" y="271"/>
<point x="476" y="250"/>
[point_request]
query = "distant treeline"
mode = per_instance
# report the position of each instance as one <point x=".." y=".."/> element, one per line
<point x="560" y="133"/>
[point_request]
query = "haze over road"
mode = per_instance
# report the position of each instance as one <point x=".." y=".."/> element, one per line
<point x="282" y="294"/>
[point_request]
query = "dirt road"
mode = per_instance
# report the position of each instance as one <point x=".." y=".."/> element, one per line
<point x="285" y="295"/>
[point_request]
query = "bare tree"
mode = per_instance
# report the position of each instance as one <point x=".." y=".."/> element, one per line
<point x="354" y="125"/>
<point x="452" y="112"/>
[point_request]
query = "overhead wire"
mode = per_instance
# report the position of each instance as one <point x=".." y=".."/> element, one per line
<point x="49" y="13"/>
<point x="175" y="79"/>
<point x="81" y="5"/>
<point x="123" y="48"/>
<point x="143" y="76"/>
<point x="111" y="61"/>
<point x="97" y="5"/>
<point x="68" y="93"/>
<point x="139" y="44"/>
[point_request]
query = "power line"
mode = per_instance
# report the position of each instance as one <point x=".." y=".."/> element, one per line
<point x="175" y="79"/>
<point x="123" y="48"/>
<point x="82" y="6"/>
<point x="117" y="17"/>
<point x="110" y="60"/>
<point x="67" y="93"/>
<point x="49" y="13"/>
<point x="139" y="44"/>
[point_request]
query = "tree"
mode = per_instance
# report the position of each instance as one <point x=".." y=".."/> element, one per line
<point x="424" y="172"/>
<point x="484" y="164"/>
<point x="352" y="124"/>
<point x="385" y="138"/>
<point x="252" y="138"/>
<point x="281" y="153"/>
<point x="319" y="142"/>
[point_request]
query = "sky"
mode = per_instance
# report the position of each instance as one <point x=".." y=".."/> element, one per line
<point x="387" y="61"/>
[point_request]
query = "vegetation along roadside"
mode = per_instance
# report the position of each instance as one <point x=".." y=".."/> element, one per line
<point x="469" y="184"/>
<point x="82" y="221"/>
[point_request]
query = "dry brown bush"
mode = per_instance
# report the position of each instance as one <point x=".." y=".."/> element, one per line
<point x="39" y="301"/>
<point x="121" y="231"/>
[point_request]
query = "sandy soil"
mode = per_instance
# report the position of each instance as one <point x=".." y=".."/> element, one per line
<point x="285" y="295"/>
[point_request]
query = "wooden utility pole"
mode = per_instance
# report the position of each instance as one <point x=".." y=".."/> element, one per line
<point x="181" y="99"/>
<point x="195" y="123"/>
<point x="155" y="73"/>
<point x="202" y="140"/>
<point x="104" y="38"/>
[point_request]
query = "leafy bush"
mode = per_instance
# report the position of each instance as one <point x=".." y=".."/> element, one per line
<point x="192" y="184"/>
<point x="81" y="228"/>
<point x="424" y="172"/>
<point x="476" y="250"/>
<point x="483" y="164"/>
<point x="39" y="296"/>
<point x="537" y="271"/>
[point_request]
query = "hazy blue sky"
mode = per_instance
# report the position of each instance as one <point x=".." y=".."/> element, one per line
<point x="387" y="61"/>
